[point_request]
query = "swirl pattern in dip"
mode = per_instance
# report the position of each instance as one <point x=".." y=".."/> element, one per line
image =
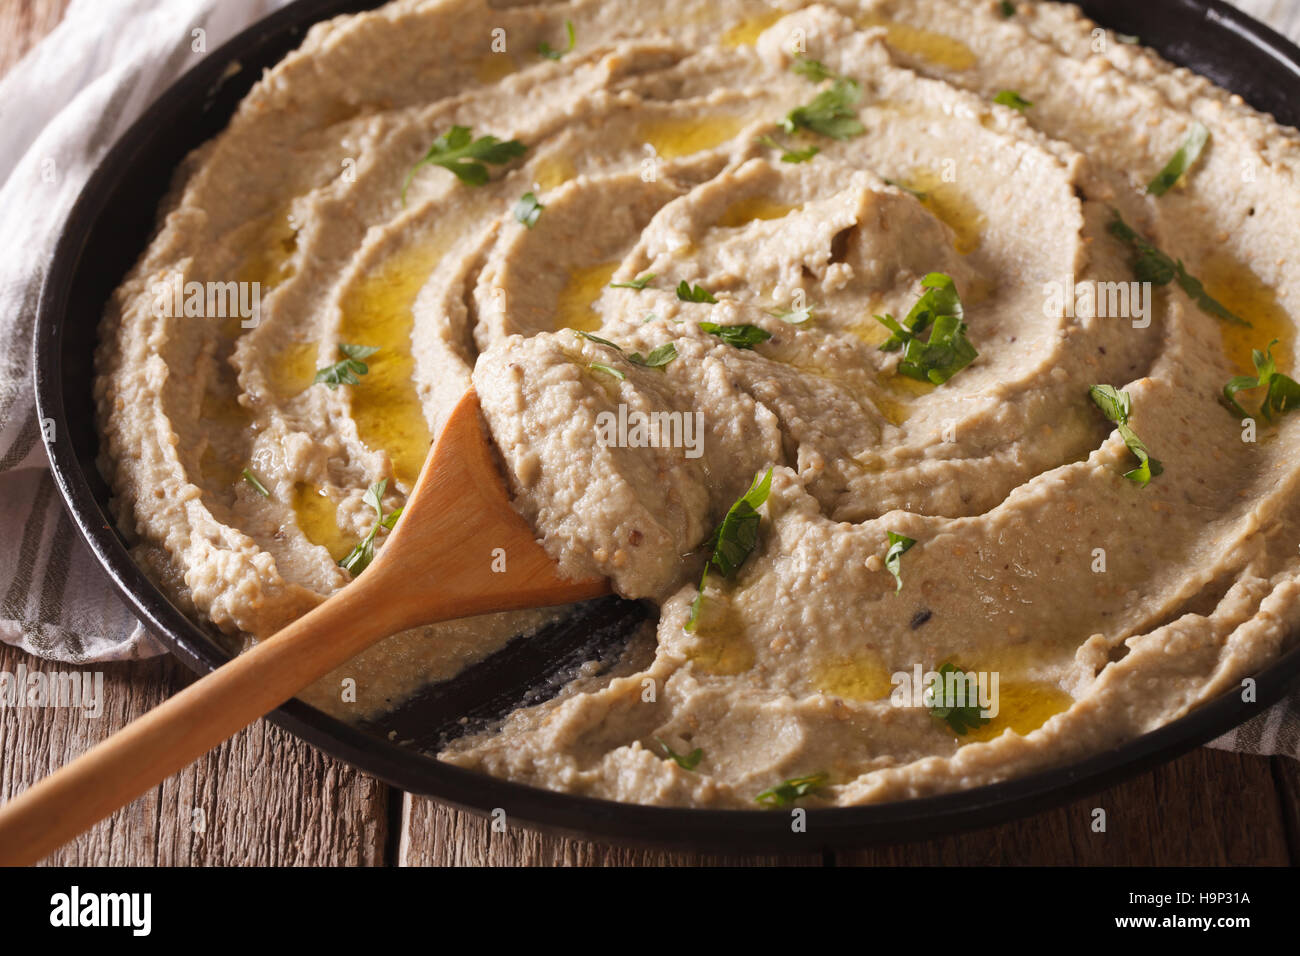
<point x="655" y="147"/>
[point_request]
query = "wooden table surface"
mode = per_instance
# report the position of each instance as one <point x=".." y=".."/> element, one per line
<point x="267" y="798"/>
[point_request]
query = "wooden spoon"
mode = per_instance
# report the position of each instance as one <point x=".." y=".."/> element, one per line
<point x="436" y="565"/>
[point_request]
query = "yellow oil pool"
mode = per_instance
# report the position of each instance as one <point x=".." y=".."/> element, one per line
<point x="938" y="49"/>
<point x="673" y="137"/>
<point x="377" y="312"/>
<point x="318" y="520"/>
<point x="585" y="284"/>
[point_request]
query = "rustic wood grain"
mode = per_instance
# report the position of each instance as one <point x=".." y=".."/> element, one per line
<point x="269" y="799"/>
<point x="1286" y="774"/>
<point x="435" y="835"/>
<point x="1210" y="808"/>
<point x="263" y="798"/>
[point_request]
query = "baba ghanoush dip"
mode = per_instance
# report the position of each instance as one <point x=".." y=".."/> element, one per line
<point x="892" y="350"/>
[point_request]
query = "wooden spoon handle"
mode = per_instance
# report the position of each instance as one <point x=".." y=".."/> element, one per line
<point x="182" y="729"/>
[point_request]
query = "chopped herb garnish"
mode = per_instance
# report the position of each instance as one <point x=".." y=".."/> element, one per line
<point x="737" y="536"/>
<point x="256" y="482"/>
<point x="597" y="339"/>
<point x="831" y="112"/>
<point x="1182" y="161"/>
<point x="1116" y="405"/>
<point x="1151" y="265"/>
<point x="346" y="372"/>
<point x="811" y="69"/>
<point x="1012" y="99"/>
<point x="658" y="357"/>
<point x="1007" y="8"/>
<point x="694" y="293"/>
<point x="741" y="336"/>
<point x="788" y="791"/>
<point x="899" y="544"/>
<point x="528" y="210"/>
<point x="948" y="350"/>
<point x="789" y="155"/>
<point x="1283" y="393"/>
<point x="458" y="151"/>
<point x="639" y="283"/>
<point x="545" y="49"/>
<point x="962" y="719"/>
<point x="359" y="557"/>
<point x="688" y="761"/>
<point x="792" y="316"/>
<point x="600" y="367"/>
<point x="735" y="539"/>
<point x="1128" y="38"/>
<point x="922" y="196"/>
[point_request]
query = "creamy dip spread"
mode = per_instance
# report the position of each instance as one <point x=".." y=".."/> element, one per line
<point x="867" y="340"/>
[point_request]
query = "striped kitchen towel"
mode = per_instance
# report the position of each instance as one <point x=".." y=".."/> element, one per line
<point x="61" y="108"/>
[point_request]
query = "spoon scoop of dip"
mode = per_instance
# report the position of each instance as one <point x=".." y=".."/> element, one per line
<point x="435" y="565"/>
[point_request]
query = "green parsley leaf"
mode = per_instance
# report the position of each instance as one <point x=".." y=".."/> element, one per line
<point x="658" y="357"/>
<point x="599" y="367"/>
<point x="359" y="558"/>
<point x="788" y="791"/>
<point x="689" y="293"/>
<point x="831" y="112"/>
<point x="545" y="49"/>
<point x="639" y="283"/>
<point x="1151" y="265"/>
<point x="789" y="155"/>
<point x="741" y="336"/>
<point x="688" y="761"/>
<point x="346" y="372"/>
<point x="734" y="539"/>
<point x="1012" y="99"/>
<point x="458" y="151"/>
<point x="792" y="316"/>
<point x="947" y="350"/>
<point x="527" y="210"/>
<point x="1116" y="405"/>
<point x="1283" y="393"/>
<point x="899" y="544"/>
<point x="597" y="339"/>
<point x="962" y="719"/>
<point x="256" y="482"/>
<point x="1182" y="161"/>
<point x="908" y="189"/>
<point x="737" y="536"/>
<point x="1007" y="9"/>
<point x="811" y="69"/>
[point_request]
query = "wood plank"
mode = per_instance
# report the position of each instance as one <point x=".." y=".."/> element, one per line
<point x="1208" y="808"/>
<point x="264" y="798"/>
<point x="1286" y="775"/>
<point x="434" y="835"/>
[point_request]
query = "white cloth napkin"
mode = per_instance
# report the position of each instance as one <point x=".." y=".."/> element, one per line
<point x="61" y="108"/>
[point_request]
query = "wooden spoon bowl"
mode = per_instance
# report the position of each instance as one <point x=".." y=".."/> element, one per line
<point x="436" y="565"/>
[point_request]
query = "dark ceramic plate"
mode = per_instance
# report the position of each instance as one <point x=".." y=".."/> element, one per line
<point x="113" y="220"/>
